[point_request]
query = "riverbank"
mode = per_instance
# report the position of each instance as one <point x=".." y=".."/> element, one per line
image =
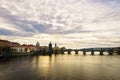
<point x="11" y="55"/>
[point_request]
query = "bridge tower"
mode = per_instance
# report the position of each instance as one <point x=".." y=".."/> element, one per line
<point x="62" y="50"/>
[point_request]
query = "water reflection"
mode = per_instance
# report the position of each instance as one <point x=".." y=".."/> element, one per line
<point x="61" y="67"/>
<point x="43" y="64"/>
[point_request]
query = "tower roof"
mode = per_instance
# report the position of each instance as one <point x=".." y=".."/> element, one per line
<point x="55" y="45"/>
<point x="50" y="43"/>
<point x="37" y="44"/>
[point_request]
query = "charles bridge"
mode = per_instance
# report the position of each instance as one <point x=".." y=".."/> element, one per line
<point x="101" y="51"/>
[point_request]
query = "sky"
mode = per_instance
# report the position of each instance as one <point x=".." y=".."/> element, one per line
<point x="69" y="23"/>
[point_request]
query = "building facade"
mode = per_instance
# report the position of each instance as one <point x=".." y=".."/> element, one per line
<point x="24" y="48"/>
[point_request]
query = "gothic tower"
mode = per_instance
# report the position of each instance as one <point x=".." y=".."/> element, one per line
<point x="50" y="48"/>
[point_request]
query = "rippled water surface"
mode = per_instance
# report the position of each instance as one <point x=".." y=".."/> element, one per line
<point x="61" y="67"/>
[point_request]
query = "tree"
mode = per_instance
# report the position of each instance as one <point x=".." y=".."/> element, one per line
<point x="6" y="49"/>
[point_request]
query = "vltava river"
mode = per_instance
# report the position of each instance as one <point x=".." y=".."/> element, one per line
<point x="61" y="67"/>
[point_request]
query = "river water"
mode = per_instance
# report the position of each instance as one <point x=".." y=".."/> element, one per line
<point x="61" y="67"/>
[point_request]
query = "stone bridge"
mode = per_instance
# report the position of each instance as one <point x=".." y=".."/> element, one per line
<point x="101" y="51"/>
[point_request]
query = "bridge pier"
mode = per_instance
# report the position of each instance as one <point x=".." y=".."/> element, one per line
<point x="118" y="51"/>
<point x="84" y="52"/>
<point x="92" y="52"/>
<point x="110" y="51"/>
<point x="76" y="51"/>
<point x="101" y="51"/>
<point x="69" y="52"/>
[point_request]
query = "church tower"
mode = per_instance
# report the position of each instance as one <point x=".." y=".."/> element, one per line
<point x="55" y="45"/>
<point x="37" y="44"/>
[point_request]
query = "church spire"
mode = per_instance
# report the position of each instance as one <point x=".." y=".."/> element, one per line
<point x="55" y="45"/>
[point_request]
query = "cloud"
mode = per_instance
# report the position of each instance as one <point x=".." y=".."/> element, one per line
<point x="71" y="23"/>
